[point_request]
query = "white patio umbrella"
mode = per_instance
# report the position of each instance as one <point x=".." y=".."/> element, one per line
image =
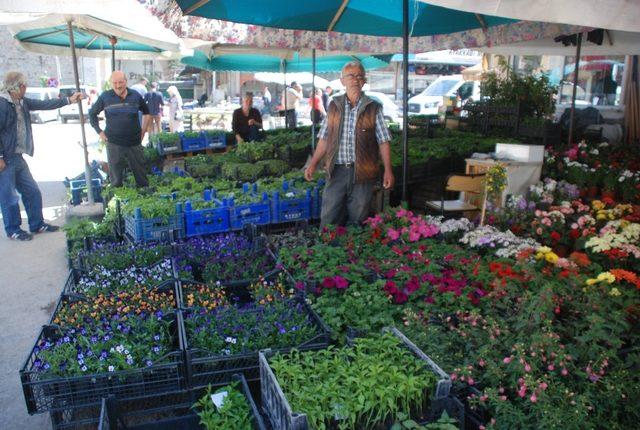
<point x="101" y="26"/>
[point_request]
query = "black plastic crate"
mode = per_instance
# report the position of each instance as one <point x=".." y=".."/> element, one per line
<point x="72" y="284"/>
<point x="283" y="417"/>
<point x="42" y="393"/>
<point x="204" y="367"/>
<point x="165" y="412"/>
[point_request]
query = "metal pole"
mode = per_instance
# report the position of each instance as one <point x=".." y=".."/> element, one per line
<point x="284" y="70"/>
<point x="87" y="169"/>
<point x="405" y="96"/>
<point x="313" y="97"/>
<point x="575" y="88"/>
<point x="113" y="40"/>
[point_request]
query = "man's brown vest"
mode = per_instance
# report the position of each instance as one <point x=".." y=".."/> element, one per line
<point x="367" y="149"/>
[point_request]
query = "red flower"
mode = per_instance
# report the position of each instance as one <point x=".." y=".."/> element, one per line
<point x="328" y="282"/>
<point x="555" y="236"/>
<point x="391" y="288"/>
<point x="341" y="283"/>
<point x="574" y="234"/>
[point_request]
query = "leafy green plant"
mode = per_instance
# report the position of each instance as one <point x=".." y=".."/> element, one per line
<point x="234" y="414"/>
<point x="533" y="94"/>
<point x="361" y="387"/>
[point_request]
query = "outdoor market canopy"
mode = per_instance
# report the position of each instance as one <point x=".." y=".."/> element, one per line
<point x="377" y="18"/>
<point x="610" y="14"/>
<point x="270" y="63"/>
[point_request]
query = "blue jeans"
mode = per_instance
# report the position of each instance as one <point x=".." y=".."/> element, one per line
<point x="17" y="177"/>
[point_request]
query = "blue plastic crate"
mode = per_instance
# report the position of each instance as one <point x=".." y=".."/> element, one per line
<point x="215" y="141"/>
<point x="207" y="221"/>
<point x="285" y="209"/>
<point x="316" y="202"/>
<point x="139" y="229"/>
<point x="193" y="143"/>
<point x="78" y="190"/>
<point x="257" y="213"/>
<point x="168" y="147"/>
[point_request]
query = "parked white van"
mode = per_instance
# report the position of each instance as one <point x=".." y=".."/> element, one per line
<point x="42" y="116"/>
<point x="71" y="111"/>
<point x="429" y="101"/>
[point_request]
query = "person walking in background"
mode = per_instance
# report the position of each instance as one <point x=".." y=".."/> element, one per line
<point x="154" y="101"/>
<point x="317" y="108"/>
<point x="141" y="86"/>
<point x="266" y="100"/>
<point x="353" y="139"/>
<point x="175" y="110"/>
<point x="247" y="121"/>
<point x="326" y="96"/>
<point x="16" y="139"/>
<point x="123" y="133"/>
<point x="291" y="104"/>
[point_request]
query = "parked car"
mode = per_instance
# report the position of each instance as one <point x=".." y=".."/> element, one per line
<point x="42" y="116"/>
<point x="428" y="102"/>
<point x="68" y="112"/>
<point x="391" y="111"/>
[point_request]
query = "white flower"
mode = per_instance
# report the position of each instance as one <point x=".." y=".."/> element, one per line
<point x="112" y="369"/>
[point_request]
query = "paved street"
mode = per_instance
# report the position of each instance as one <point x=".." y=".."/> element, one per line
<point x="33" y="272"/>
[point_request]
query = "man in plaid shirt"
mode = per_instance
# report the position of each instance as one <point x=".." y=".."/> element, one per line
<point x="354" y="139"/>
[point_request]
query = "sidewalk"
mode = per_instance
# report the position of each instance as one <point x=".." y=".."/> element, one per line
<point x="32" y="277"/>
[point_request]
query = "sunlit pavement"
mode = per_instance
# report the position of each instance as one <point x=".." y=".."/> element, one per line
<point x="33" y="273"/>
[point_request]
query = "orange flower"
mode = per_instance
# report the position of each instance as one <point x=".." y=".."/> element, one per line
<point x="626" y="275"/>
<point x="580" y="258"/>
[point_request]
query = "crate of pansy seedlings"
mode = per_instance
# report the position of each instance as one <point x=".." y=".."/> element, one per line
<point x="100" y="279"/>
<point x="127" y="344"/>
<point x="235" y="268"/>
<point x="222" y="337"/>
<point x="123" y="255"/>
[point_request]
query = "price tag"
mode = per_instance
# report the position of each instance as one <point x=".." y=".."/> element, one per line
<point x="218" y="398"/>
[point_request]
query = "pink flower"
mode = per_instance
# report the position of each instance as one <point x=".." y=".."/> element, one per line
<point x="402" y="212"/>
<point x="328" y="282"/>
<point x="300" y="285"/>
<point x="481" y="363"/>
<point x="564" y="372"/>
<point x="507" y="360"/>
<point x="551" y="367"/>
<point x="341" y="231"/>
<point x="341" y="283"/>
<point x="527" y="368"/>
<point x="533" y="398"/>
<point x="393" y="234"/>
<point x="522" y="391"/>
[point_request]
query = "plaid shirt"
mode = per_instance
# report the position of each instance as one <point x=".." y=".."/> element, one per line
<point x="347" y="148"/>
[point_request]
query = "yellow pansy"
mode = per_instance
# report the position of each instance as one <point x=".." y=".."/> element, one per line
<point x="544" y="249"/>
<point x="591" y="281"/>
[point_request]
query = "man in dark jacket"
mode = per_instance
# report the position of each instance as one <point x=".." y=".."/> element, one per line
<point x="122" y="133"/>
<point x="354" y="138"/>
<point x="154" y="101"/>
<point x="16" y="139"/>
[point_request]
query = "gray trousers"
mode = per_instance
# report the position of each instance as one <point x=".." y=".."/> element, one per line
<point x="344" y="201"/>
<point x="119" y="156"/>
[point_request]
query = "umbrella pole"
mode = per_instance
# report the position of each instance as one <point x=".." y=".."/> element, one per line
<point x="113" y="40"/>
<point x="87" y="169"/>
<point x="284" y="73"/>
<point x="575" y="88"/>
<point x="405" y="96"/>
<point x="313" y="97"/>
